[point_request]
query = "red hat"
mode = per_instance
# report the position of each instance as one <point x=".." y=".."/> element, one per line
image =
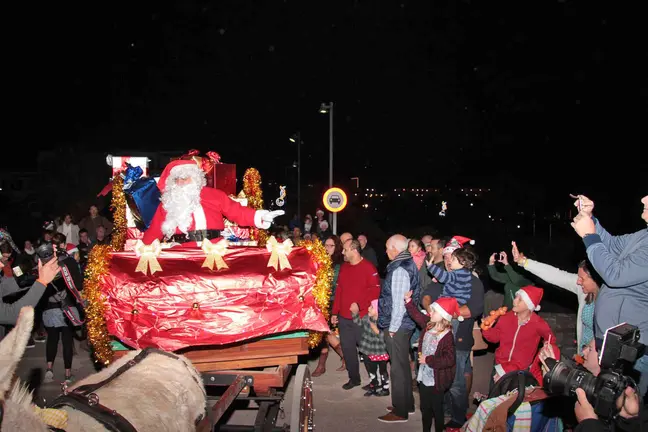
<point x="531" y="296"/>
<point x="448" y="308"/>
<point x="71" y="248"/>
<point x="170" y="167"/>
<point x="456" y="242"/>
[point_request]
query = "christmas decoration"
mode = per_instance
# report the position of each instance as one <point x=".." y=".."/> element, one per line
<point x="215" y="253"/>
<point x="97" y="268"/>
<point x="282" y="196"/>
<point x="492" y="317"/>
<point x="252" y="190"/>
<point x="322" y="288"/>
<point x="147" y="255"/>
<point x="279" y="253"/>
<point x="118" y="207"/>
<point x="444" y="207"/>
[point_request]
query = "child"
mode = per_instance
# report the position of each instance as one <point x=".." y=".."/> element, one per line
<point x="457" y="281"/>
<point x="372" y="345"/>
<point x="518" y="333"/>
<point x="436" y="356"/>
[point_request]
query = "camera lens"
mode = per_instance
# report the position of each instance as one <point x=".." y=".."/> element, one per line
<point x="563" y="380"/>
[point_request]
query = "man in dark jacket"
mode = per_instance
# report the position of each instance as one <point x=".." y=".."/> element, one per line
<point x="367" y="251"/>
<point x="397" y="326"/>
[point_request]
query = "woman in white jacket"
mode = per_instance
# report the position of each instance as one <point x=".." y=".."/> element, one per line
<point x="585" y="284"/>
<point x="69" y="230"/>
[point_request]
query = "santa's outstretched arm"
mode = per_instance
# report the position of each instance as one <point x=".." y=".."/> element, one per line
<point x="243" y="216"/>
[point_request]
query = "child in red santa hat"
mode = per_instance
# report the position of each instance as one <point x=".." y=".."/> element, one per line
<point x="519" y="333"/>
<point x="436" y="352"/>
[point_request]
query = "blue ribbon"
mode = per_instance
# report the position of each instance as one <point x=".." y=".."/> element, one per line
<point x="131" y="174"/>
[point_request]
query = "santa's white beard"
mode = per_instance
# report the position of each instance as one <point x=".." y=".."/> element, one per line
<point x="180" y="202"/>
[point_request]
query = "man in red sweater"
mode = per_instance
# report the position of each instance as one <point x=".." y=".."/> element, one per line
<point x="358" y="282"/>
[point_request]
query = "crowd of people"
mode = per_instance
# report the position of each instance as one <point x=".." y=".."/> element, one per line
<point x="420" y="320"/>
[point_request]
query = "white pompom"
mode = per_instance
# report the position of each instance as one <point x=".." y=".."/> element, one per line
<point x="472" y="242"/>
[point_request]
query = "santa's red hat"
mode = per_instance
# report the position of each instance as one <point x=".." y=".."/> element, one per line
<point x="457" y="242"/>
<point x="448" y="308"/>
<point x="176" y="167"/>
<point x="71" y="248"/>
<point x="531" y="296"/>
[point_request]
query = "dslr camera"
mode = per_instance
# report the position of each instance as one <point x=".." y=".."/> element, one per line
<point x="46" y="253"/>
<point x="621" y="349"/>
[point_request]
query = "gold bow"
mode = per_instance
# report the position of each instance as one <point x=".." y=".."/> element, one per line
<point x="215" y="253"/>
<point x="279" y="253"/>
<point x="148" y="256"/>
<point x="52" y="417"/>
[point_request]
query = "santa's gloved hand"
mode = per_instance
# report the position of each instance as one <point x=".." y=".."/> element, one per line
<point x="264" y="218"/>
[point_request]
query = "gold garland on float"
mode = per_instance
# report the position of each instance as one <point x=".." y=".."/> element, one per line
<point x="118" y="207"/>
<point x="322" y="287"/>
<point x="97" y="268"/>
<point x="254" y="194"/>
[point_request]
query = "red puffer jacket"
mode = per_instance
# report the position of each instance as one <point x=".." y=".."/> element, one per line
<point x="519" y="343"/>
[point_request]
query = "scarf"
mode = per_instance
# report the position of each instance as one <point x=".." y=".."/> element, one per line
<point x="31" y="251"/>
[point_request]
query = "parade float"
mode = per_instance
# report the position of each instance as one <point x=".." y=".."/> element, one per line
<point x="242" y="307"/>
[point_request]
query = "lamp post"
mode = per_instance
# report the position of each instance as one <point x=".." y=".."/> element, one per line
<point x="296" y="138"/>
<point x="328" y="109"/>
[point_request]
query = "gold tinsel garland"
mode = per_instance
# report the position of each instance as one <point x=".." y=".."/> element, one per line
<point x="322" y="287"/>
<point x="118" y="206"/>
<point x="98" y="266"/>
<point x="254" y="194"/>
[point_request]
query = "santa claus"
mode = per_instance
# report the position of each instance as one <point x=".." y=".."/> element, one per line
<point x="190" y="212"/>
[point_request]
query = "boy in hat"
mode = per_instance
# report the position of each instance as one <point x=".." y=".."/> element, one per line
<point x="519" y="332"/>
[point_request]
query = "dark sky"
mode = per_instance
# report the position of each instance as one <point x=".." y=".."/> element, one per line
<point x="426" y="92"/>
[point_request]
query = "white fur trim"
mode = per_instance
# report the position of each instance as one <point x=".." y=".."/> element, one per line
<point x="437" y="307"/>
<point x="525" y="297"/>
<point x="500" y="370"/>
<point x="200" y="221"/>
<point x="185" y="171"/>
<point x="258" y="219"/>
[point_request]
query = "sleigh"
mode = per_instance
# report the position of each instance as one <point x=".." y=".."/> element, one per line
<point x="241" y="326"/>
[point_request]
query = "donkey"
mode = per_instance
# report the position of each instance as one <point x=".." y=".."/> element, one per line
<point x="156" y="392"/>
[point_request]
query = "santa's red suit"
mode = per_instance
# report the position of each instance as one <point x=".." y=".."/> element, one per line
<point x="214" y="204"/>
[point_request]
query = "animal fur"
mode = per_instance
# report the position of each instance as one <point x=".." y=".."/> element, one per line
<point x="159" y="394"/>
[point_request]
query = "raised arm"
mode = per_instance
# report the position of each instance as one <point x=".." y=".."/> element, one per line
<point x="553" y="275"/>
<point x="497" y="276"/>
<point x="630" y="270"/>
<point x="418" y="317"/>
<point x="441" y="275"/>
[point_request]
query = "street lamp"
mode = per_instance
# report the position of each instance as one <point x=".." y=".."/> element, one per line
<point x="328" y="109"/>
<point x="296" y="138"/>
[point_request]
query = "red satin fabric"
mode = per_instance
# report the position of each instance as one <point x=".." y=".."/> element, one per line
<point x="245" y="301"/>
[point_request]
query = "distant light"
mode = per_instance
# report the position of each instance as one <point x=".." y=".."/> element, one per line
<point x="518" y="226"/>
<point x="365" y="205"/>
<point x="471" y="204"/>
<point x="291" y="139"/>
<point x="489" y="216"/>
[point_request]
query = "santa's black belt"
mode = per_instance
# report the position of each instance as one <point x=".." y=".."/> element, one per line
<point x="196" y="236"/>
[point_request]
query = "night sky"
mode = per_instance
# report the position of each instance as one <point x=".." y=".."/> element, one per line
<point x="426" y="93"/>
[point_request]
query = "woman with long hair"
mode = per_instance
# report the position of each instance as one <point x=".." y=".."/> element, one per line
<point x="334" y="249"/>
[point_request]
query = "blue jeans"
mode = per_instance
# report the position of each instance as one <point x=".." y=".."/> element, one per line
<point x="642" y="366"/>
<point x="457" y="398"/>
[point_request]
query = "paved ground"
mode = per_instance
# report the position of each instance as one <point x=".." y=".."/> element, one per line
<point x="337" y="409"/>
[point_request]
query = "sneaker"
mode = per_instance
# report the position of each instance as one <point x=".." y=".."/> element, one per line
<point x="39" y="338"/>
<point x="349" y="385"/>
<point x="391" y="408"/>
<point x="391" y="418"/>
<point x="30" y="343"/>
<point x="367" y="387"/>
<point x="49" y="376"/>
<point x="69" y="380"/>
<point x="370" y="392"/>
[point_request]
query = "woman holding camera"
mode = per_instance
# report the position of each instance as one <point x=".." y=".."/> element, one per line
<point x="56" y="323"/>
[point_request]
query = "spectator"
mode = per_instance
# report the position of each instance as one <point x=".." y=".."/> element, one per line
<point x="511" y="279"/>
<point x="622" y="262"/>
<point x="397" y="326"/>
<point x="70" y="230"/>
<point x="358" y="282"/>
<point x="85" y="244"/>
<point x="367" y="251"/>
<point x="91" y="222"/>
<point x="101" y="237"/>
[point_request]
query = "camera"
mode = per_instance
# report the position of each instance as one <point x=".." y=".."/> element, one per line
<point x="46" y="252"/>
<point x="621" y="348"/>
